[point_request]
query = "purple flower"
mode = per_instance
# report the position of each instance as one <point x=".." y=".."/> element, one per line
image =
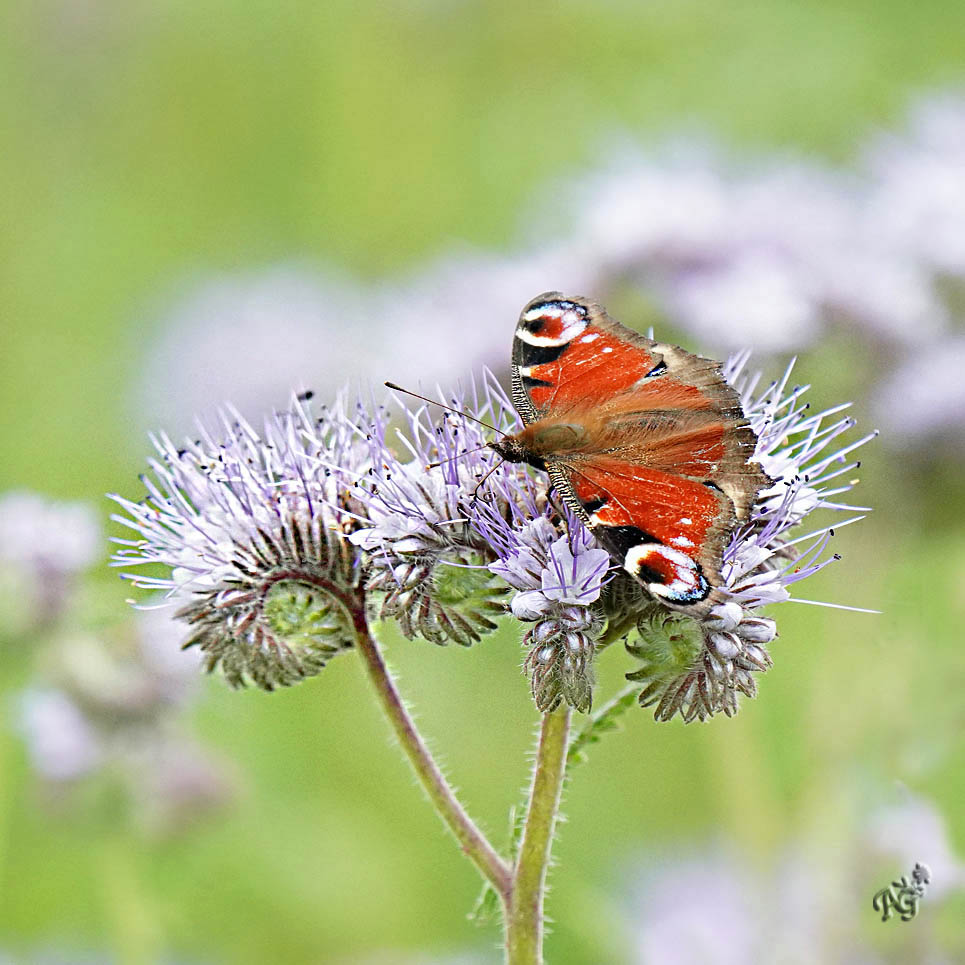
<point x="426" y="561"/>
<point x="553" y="575"/>
<point x="706" y="668"/>
<point x="263" y="534"/>
<point x="250" y="529"/>
<point x="44" y="547"/>
<point x="558" y="579"/>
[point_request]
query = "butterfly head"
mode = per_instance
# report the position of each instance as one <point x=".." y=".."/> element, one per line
<point x="539" y="442"/>
<point x="515" y="449"/>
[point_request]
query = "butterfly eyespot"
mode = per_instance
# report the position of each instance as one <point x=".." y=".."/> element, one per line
<point x="667" y="573"/>
<point x="552" y="323"/>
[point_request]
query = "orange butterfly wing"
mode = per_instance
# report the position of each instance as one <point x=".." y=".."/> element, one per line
<point x="661" y="470"/>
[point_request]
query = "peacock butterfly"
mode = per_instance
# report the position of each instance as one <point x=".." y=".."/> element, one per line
<point x="647" y="443"/>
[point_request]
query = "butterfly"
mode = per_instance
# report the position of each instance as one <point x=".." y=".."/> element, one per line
<point x="647" y="443"/>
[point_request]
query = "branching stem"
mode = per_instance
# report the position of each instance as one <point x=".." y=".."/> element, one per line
<point x="522" y="886"/>
<point x="473" y="842"/>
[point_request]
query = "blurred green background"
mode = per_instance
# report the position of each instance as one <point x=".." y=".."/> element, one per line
<point x="146" y="142"/>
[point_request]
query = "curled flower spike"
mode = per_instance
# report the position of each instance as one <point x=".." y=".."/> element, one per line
<point x="251" y="529"/>
<point x="427" y="562"/>
<point x="558" y="578"/>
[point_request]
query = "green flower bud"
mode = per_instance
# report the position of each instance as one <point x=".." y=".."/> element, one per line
<point x="286" y="618"/>
<point x="441" y="602"/>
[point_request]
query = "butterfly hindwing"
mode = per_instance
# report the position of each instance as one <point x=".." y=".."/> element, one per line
<point x="667" y="531"/>
<point x="661" y="468"/>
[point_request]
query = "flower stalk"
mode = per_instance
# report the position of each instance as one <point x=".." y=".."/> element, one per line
<point x="473" y="842"/>
<point x="521" y="887"/>
<point x="524" y="905"/>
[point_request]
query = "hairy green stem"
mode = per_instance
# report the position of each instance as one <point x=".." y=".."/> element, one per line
<point x="520" y="887"/>
<point x="472" y="841"/>
<point x="524" y="904"/>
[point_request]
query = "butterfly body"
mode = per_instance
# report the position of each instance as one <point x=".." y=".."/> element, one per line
<point x="647" y="443"/>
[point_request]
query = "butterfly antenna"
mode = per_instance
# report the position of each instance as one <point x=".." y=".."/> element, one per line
<point x="458" y="455"/>
<point x="442" y="405"/>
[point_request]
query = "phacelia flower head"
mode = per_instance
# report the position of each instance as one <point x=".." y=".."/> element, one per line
<point x="413" y="518"/>
<point x="250" y="528"/>
<point x="427" y="512"/>
<point x="426" y="561"/>
<point x="557" y="577"/>
<point x="441" y="515"/>
<point x="697" y="668"/>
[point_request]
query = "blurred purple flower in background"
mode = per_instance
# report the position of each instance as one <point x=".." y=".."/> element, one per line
<point x="44" y="547"/>
<point x="768" y="255"/>
<point x="918" y="193"/>
<point x="911" y="830"/>
<point x="60" y="741"/>
<point x="252" y="339"/>
<point x="770" y="252"/>
<point x="249" y="339"/>
<point x="720" y="906"/>
<point x="102" y="699"/>
<point x="923" y="398"/>
<point x="111" y="704"/>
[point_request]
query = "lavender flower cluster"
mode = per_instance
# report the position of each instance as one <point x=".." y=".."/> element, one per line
<point x="249" y="529"/>
<point x="272" y="540"/>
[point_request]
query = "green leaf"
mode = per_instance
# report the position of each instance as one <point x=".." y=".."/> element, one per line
<point x="487" y="904"/>
<point x="607" y="718"/>
<point x="486" y="908"/>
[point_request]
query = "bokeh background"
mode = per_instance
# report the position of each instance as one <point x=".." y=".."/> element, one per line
<point x="225" y="200"/>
